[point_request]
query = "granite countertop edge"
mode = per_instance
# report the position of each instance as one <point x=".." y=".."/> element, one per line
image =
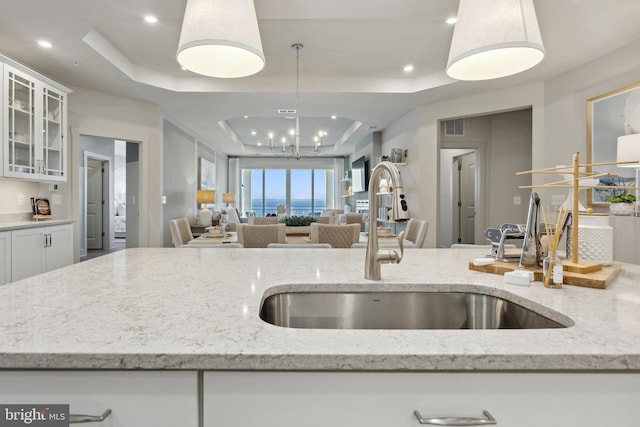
<point x="197" y="309"/>
<point x="18" y="225"/>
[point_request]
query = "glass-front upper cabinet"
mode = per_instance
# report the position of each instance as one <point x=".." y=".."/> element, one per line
<point x="34" y="128"/>
<point x="20" y="124"/>
<point x="53" y="158"/>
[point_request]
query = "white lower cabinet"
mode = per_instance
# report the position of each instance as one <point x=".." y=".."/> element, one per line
<point x="136" y="398"/>
<point x="316" y="399"/>
<point x="40" y="249"/>
<point x="5" y="257"/>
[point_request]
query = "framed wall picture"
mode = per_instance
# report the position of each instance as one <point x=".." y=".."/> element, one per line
<point x="609" y="116"/>
<point x="40" y="206"/>
<point x="207" y="175"/>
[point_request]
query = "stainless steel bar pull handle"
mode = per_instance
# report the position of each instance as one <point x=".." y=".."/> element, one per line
<point x="457" y="421"/>
<point x="78" y="418"/>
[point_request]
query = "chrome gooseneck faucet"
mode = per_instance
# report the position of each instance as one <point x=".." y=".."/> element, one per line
<point x="400" y="212"/>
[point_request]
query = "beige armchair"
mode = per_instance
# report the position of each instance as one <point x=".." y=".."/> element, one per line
<point x="338" y="236"/>
<point x="417" y="232"/>
<point x="180" y="231"/>
<point x="259" y="236"/>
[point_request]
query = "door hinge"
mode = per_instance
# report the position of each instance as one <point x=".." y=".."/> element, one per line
<point x="103" y="234"/>
<point x="459" y="204"/>
<point x="103" y="203"/>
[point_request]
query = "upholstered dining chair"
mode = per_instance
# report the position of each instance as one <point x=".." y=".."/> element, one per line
<point x="417" y="232"/>
<point x="259" y="236"/>
<point x="355" y="218"/>
<point x="298" y="245"/>
<point x="338" y="236"/>
<point x="263" y="220"/>
<point x="180" y="231"/>
<point x="327" y="219"/>
<point x="232" y="217"/>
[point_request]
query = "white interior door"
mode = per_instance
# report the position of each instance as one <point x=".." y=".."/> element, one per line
<point x="465" y="198"/>
<point x="95" y="206"/>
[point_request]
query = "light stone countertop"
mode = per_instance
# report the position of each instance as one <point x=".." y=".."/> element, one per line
<point x="197" y="308"/>
<point x="21" y="224"/>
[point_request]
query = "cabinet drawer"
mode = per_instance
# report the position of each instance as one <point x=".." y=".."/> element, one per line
<point x="290" y="399"/>
<point x="136" y="398"/>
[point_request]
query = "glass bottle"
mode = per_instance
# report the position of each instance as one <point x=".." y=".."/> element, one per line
<point x="552" y="271"/>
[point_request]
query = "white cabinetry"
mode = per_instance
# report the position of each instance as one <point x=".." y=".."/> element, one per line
<point x="293" y="399"/>
<point x="136" y="398"/>
<point x="34" y="137"/>
<point x="39" y="249"/>
<point x="5" y="257"/>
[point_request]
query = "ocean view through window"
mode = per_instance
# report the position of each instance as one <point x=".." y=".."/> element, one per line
<point x="301" y="191"/>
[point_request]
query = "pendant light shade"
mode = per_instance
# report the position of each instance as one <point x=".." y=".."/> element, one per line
<point x="494" y="38"/>
<point x="220" y="38"/>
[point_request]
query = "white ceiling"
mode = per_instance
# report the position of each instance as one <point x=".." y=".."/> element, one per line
<point x="351" y="65"/>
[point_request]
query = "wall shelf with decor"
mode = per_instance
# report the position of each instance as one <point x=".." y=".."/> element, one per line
<point x="385" y="204"/>
<point x="347" y="193"/>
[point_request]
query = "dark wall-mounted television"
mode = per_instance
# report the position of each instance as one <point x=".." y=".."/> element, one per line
<point x="360" y="175"/>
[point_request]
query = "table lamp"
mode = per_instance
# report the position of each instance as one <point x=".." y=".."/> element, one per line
<point x="205" y="197"/>
<point x="629" y="151"/>
<point x="228" y="198"/>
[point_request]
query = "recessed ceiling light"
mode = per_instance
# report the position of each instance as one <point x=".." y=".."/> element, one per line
<point x="150" y="19"/>
<point x="253" y="132"/>
<point x="334" y="117"/>
<point x="408" y="68"/>
<point x="259" y="144"/>
<point x="246" y="117"/>
<point x="451" y="21"/>
<point x="46" y="44"/>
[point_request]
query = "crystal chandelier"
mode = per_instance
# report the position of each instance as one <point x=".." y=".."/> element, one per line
<point x="293" y="148"/>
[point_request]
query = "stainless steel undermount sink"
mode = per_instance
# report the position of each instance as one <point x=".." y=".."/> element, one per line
<point x="400" y="310"/>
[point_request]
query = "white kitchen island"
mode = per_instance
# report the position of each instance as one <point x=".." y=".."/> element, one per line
<point x="192" y="317"/>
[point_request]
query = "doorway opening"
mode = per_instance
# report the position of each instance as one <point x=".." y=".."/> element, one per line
<point x="485" y="191"/>
<point x="111" y="192"/>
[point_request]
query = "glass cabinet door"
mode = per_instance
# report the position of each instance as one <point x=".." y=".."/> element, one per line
<point x="20" y="137"/>
<point x="52" y="133"/>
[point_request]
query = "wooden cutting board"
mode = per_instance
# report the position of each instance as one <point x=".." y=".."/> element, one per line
<point x="597" y="279"/>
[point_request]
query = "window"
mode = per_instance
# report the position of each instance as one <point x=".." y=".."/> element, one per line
<point x="275" y="191"/>
<point x="302" y="191"/>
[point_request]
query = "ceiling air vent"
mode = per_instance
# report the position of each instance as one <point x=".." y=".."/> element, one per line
<point x="286" y="111"/>
<point x="454" y="127"/>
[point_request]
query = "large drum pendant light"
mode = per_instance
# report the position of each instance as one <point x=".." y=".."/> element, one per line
<point x="220" y="38"/>
<point x="494" y="38"/>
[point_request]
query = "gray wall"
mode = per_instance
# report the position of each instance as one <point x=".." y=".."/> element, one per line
<point x="180" y="179"/>
<point x="180" y="173"/>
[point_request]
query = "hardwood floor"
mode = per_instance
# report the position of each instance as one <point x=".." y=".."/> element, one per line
<point x="94" y="253"/>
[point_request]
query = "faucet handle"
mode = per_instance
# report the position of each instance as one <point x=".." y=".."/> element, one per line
<point x="401" y="244"/>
